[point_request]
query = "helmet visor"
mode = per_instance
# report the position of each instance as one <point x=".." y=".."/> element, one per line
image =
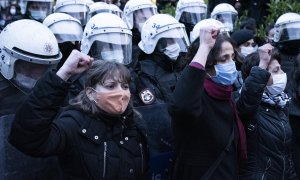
<point x="141" y="15"/>
<point x="118" y="13"/>
<point x="228" y="19"/>
<point x="81" y="16"/>
<point x="177" y="34"/>
<point x="78" y="11"/>
<point x="163" y="43"/>
<point x="39" y="10"/>
<point x="26" y="74"/>
<point x="108" y="51"/>
<point x="290" y="32"/>
<point x="191" y="18"/>
<point x="67" y="31"/>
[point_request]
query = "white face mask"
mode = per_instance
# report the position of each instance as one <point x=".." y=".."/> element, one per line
<point x="12" y="11"/>
<point x="245" y="51"/>
<point x="172" y="51"/>
<point x="115" y="56"/>
<point x="2" y="22"/>
<point x="228" y="26"/>
<point x="279" y="83"/>
<point x="38" y="15"/>
<point x="139" y="26"/>
<point x="25" y="81"/>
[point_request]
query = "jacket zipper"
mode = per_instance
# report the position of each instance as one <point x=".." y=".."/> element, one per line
<point x="283" y="155"/>
<point x="142" y="157"/>
<point x="104" y="159"/>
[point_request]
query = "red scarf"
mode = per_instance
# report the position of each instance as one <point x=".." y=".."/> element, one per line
<point x="224" y="93"/>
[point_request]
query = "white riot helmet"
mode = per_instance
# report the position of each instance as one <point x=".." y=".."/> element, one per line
<point x="204" y="23"/>
<point x="163" y="31"/>
<point x="106" y="37"/>
<point x="64" y="27"/>
<point x="76" y="8"/>
<point x="102" y="7"/>
<point x="226" y="14"/>
<point x="190" y="11"/>
<point x="38" y="9"/>
<point x="136" y="12"/>
<point x="287" y="27"/>
<point x="27" y="50"/>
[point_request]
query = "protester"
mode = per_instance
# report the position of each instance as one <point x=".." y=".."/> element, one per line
<point x="295" y="113"/>
<point x="206" y="125"/>
<point x="244" y="45"/>
<point x="263" y="108"/>
<point x="98" y="136"/>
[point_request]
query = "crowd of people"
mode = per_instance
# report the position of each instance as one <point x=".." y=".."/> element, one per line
<point x="97" y="90"/>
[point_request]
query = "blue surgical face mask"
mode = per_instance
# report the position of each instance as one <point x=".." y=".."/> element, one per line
<point x="226" y="73"/>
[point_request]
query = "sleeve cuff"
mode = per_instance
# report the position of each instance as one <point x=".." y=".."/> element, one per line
<point x="197" y="65"/>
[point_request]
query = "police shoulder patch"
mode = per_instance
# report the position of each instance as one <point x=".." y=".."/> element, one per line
<point x="147" y="96"/>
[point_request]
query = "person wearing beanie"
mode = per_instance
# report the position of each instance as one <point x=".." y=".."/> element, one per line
<point x="244" y="45"/>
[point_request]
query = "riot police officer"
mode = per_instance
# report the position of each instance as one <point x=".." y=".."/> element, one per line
<point x="163" y="39"/>
<point x="24" y="59"/>
<point x="78" y="9"/>
<point x="190" y="12"/>
<point x="136" y="12"/>
<point x="38" y="9"/>
<point x="226" y="14"/>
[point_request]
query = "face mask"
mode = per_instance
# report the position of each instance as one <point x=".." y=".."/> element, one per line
<point x="12" y="11"/>
<point x="140" y="26"/>
<point x="114" y="102"/>
<point x="25" y="81"/>
<point x="38" y="15"/>
<point x="247" y="50"/>
<point x="115" y="56"/>
<point x="172" y="51"/>
<point x="225" y="73"/>
<point x="228" y="26"/>
<point x="279" y="83"/>
<point x="2" y="22"/>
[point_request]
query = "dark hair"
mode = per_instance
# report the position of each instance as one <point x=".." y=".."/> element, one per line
<point x="214" y="53"/>
<point x="268" y="28"/>
<point x="295" y="82"/>
<point x="249" y="61"/>
<point x="98" y="74"/>
<point x="253" y="60"/>
<point x="249" y="23"/>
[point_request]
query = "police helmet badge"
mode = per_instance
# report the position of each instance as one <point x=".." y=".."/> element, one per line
<point x="147" y="96"/>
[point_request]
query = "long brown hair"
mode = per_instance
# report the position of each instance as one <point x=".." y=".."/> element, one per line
<point x="99" y="72"/>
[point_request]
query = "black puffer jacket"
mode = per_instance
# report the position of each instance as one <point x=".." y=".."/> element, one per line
<point x="102" y="147"/>
<point x="269" y="133"/>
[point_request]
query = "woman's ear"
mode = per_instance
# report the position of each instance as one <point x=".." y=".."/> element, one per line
<point x="89" y="93"/>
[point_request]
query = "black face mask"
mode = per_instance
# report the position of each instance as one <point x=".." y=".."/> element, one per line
<point x="66" y="48"/>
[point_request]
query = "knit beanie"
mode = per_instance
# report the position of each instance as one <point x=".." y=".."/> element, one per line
<point x="242" y="36"/>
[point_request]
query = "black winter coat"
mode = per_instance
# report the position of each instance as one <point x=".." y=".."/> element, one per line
<point x="269" y="134"/>
<point x="202" y="126"/>
<point x="102" y="147"/>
